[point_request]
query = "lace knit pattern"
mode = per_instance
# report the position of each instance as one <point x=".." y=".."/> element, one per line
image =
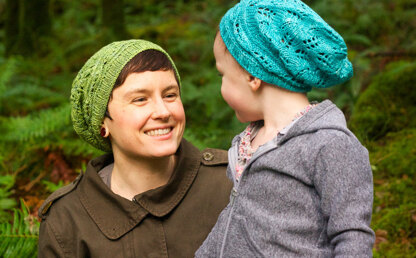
<point x="285" y="43"/>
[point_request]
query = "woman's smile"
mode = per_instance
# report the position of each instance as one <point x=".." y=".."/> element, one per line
<point x="158" y="132"/>
<point x="149" y="102"/>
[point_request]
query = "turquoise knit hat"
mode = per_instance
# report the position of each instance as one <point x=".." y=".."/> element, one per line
<point x="285" y="43"/>
<point x="94" y="83"/>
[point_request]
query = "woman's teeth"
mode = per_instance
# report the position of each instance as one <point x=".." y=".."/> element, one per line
<point x="158" y="132"/>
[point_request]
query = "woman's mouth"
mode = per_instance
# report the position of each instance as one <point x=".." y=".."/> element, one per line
<point x="159" y="132"/>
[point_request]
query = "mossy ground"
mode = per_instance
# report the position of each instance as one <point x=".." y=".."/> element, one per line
<point x="388" y="104"/>
<point x="384" y="120"/>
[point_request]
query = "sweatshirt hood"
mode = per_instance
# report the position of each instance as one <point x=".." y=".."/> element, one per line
<point x="325" y="116"/>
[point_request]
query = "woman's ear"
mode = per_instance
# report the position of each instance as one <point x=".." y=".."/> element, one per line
<point x="104" y="132"/>
<point x="254" y="82"/>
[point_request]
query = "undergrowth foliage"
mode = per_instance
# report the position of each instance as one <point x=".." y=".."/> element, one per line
<point x="39" y="150"/>
<point x="38" y="125"/>
<point x="6" y="202"/>
<point x="20" y="238"/>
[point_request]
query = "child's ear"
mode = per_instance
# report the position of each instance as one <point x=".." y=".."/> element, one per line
<point x="254" y="82"/>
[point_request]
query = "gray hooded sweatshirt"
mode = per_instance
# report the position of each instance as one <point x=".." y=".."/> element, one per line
<point x="306" y="193"/>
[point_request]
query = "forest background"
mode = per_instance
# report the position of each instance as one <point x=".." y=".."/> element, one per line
<point x="45" y="42"/>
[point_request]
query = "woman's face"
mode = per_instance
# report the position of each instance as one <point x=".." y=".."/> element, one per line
<point x="148" y="119"/>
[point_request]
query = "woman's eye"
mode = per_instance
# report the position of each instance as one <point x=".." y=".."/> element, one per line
<point x="139" y="99"/>
<point x="171" y="95"/>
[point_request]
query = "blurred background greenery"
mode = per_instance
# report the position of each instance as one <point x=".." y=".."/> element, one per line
<point x="45" y="42"/>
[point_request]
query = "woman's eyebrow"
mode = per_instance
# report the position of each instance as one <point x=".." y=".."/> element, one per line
<point x="135" y="91"/>
<point x="144" y="91"/>
<point x="170" y="87"/>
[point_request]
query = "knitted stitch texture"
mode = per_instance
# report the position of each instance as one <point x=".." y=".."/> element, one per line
<point x="94" y="83"/>
<point x="285" y="43"/>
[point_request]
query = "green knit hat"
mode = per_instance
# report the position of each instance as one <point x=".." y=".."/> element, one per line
<point x="94" y="83"/>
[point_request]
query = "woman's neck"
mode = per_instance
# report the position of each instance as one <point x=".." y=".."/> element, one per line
<point x="132" y="176"/>
<point x="279" y="108"/>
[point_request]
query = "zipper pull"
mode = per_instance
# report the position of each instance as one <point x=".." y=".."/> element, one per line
<point x="233" y="195"/>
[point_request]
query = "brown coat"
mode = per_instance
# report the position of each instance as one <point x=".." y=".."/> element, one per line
<point x="86" y="219"/>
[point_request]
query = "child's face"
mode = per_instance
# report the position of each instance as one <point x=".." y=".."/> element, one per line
<point x="234" y="88"/>
<point x="148" y="118"/>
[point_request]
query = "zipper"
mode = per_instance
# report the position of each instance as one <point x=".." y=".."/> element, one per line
<point x="233" y="195"/>
<point x="234" y="191"/>
<point x="231" y="156"/>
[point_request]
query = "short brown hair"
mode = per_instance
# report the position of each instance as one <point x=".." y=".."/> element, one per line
<point x="148" y="60"/>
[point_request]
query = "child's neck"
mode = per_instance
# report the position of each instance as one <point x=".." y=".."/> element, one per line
<point x="279" y="107"/>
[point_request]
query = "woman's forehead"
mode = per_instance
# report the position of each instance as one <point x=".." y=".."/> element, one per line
<point x="148" y="81"/>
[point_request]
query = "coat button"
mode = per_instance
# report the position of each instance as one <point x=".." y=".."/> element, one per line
<point x="208" y="156"/>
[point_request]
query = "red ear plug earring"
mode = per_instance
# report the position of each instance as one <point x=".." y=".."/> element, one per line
<point x="103" y="132"/>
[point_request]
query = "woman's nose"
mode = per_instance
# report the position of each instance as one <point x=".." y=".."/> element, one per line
<point x="160" y="110"/>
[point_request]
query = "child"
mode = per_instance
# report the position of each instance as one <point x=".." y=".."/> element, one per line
<point x="302" y="181"/>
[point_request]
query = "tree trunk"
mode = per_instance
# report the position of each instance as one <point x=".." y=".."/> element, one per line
<point x="113" y="18"/>
<point x="11" y="25"/>
<point x="26" y="22"/>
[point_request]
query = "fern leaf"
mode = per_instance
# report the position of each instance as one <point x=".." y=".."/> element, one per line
<point x="38" y="125"/>
<point x="6" y="202"/>
<point x="28" y="97"/>
<point x="7" y="72"/>
<point x="20" y="238"/>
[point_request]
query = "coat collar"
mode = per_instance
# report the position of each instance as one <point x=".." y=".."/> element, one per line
<point x="115" y="215"/>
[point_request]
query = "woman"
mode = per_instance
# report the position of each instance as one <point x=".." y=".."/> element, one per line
<point x="154" y="194"/>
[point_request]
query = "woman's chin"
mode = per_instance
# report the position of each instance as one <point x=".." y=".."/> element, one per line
<point x="158" y="150"/>
<point x="162" y="153"/>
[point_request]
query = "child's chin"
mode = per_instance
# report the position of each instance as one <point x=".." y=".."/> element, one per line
<point x="242" y="119"/>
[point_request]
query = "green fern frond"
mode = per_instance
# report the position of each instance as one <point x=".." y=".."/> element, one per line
<point x="27" y="97"/>
<point x="75" y="146"/>
<point x="6" y="203"/>
<point x="20" y="238"/>
<point x="38" y="125"/>
<point x="9" y="69"/>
